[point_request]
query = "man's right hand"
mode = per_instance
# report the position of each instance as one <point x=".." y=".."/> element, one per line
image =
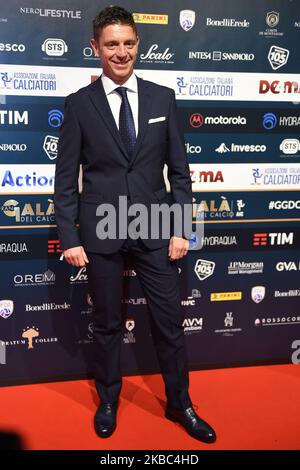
<point x="76" y="256"/>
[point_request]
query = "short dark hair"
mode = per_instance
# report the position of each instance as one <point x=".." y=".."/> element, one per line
<point x="112" y="15"/>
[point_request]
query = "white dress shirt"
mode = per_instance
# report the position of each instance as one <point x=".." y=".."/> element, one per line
<point x="115" y="100"/>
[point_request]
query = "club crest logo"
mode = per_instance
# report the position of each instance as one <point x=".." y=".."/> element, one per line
<point x="6" y="308"/>
<point x="187" y="19"/>
<point x="258" y="294"/>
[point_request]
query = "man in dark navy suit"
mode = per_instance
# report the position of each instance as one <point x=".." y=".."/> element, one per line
<point x="123" y="130"/>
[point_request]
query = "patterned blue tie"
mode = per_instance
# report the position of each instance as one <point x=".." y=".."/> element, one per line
<point x="126" y="122"/>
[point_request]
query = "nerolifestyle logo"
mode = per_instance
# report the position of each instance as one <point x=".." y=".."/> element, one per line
<point x="52" y="13"/>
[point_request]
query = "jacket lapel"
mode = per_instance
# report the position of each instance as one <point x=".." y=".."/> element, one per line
<point x="99" y="100"/>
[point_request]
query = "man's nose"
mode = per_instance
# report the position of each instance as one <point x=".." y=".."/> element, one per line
<point x="121" y="51"/>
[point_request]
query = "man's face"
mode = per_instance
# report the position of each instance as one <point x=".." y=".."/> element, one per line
<point x="117" y="47"/>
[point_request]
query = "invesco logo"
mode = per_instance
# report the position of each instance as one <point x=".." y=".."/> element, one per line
<point x="55" y="118"/>
<point x="269" y="121"/>
<point x="7" y="47"/>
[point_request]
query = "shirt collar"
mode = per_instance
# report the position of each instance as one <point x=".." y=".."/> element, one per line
<point x="109" y="85"/>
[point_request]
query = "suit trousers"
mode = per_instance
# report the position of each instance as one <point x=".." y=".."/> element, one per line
<point x="159" y="280"/>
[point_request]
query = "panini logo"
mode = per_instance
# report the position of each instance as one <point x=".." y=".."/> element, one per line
<point x="221" y="296"/>
<point x="150" y="18"/>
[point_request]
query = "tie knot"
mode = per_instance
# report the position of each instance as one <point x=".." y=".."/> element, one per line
<point x="121" y="90"/>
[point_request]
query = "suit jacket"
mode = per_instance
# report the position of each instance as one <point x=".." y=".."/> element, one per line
<point x="89" y="136"/>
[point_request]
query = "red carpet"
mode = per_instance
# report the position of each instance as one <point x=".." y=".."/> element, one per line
<point x="250" y="408"/>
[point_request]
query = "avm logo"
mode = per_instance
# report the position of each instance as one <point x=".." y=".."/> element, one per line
<point x="269" y="121"/>
<point x="55" y="118"/>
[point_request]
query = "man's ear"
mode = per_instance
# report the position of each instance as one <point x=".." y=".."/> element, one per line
<point x="95" y="47"/>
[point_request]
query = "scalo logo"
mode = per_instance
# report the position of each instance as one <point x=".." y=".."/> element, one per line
<point x="153" y="56"/>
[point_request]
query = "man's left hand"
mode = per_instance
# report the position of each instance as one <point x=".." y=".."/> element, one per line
<point x="178" y="248"/>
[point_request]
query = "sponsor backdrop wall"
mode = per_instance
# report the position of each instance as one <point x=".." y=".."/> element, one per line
<point x="234" y="66"/>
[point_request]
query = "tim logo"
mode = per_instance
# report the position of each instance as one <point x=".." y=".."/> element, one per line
<point x="273" y="239"/>
<point x="196" y="120"/>
<point x="54" y="246"/>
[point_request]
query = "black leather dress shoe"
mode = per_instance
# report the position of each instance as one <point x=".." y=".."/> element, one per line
<point x="105" y="421"/>
<point x="192" y="423"/>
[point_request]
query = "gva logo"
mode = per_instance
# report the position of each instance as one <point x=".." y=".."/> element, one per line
<point x="287" y="266"/>
<point x="54" y="47"/>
